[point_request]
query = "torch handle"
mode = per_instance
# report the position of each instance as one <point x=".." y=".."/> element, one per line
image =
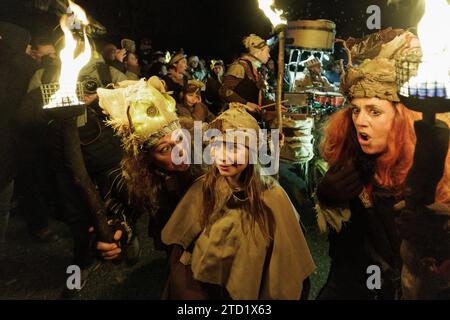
<point x="75" y="161"/>
<point x="279" y="95"/>
<point x="429" y="162"/>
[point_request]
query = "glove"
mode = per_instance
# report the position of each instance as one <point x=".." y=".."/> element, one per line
<point x="339" y="185"/>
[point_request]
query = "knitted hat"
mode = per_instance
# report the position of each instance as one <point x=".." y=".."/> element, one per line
<point x="176" y="58"/>
<point x="235" y="122"/>
<point x="193" y="58"/>
<point x="141" y="112"/>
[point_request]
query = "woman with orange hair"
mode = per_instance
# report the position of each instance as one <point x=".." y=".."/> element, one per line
<point x="369" y="147"/>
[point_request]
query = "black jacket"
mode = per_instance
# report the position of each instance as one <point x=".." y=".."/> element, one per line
<point x="16" y="69"/>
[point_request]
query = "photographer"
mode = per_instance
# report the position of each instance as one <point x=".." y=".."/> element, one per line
<point x="101" y="151"/>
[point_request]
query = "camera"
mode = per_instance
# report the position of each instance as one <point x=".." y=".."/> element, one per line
<point x="90" y="85"/>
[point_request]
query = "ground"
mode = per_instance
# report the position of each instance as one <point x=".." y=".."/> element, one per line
<point x="30" y="270"/>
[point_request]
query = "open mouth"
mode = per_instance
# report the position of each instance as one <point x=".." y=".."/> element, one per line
<point x="363" y="136"/>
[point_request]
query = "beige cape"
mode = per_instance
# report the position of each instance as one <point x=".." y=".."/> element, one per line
<point x="233" y="259"/>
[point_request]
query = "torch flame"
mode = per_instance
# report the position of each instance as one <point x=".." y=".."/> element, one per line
<point x="71" y="65"/>
<point x="435" y="44"/>
<point x="274" y="15"/>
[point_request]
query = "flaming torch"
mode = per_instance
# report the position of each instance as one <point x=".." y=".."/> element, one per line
<point x="424" y="86"/>
<point x="279" y="24"/>
<point x="64" y="101"/>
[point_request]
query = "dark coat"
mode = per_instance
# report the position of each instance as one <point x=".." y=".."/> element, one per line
<point x="16" y="69"/>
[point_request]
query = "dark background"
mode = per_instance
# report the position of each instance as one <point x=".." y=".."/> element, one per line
<point x="209" y="28"/>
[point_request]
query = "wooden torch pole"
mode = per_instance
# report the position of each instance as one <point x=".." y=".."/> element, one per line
<point x="279" y="95"/>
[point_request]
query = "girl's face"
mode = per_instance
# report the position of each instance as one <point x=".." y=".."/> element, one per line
<point x="190" y="99"/>
<point x="373" y="119"/>
<point x="231" y="159"/>
<point x="161" y="153"/>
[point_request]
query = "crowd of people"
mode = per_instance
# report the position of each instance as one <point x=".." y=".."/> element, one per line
<point x="229" y="231"/>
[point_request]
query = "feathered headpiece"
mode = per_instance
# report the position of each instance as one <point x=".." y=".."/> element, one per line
<point x="376" y="54"/>
<point x="140" y="112"/>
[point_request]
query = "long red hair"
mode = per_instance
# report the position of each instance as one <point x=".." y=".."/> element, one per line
<point x="340" y="146"/>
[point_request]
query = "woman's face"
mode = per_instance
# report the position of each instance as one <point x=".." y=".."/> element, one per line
<point x="373" y="119"/>
<point x="231" y="159"/>
<point x="181" y="66"/>
<point x="132" y="60"/>
<point x="218" y="70"/>
<point x="161" y="153"/>
<point x="194" y="64"/>
<point x="191" y="99"/>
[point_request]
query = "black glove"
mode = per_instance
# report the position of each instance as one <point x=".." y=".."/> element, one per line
<point x="339" y="186"/>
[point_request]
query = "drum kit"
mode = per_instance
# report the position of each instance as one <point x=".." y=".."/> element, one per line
<point x="308" y="107"/>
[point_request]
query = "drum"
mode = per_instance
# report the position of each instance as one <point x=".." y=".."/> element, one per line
<point x="336" y="100"/>
<point x="312" y="35"/>
<point x="299" y="141"/>
<point x="320" y="99"/>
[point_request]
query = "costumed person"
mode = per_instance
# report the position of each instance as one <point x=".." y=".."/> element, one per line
<point x="176" y="79"/>
<point x="192" y="108"/>
<point x="144" y="116"/>
<point x="213" y="85"/>
<point x="243" y="81"/>
<point x="196" y="69"/>
<point x="133" y="68"/>
<point x="314" y="77"/>
<point x="370" y="149"/>
<point x="235" y="234"/>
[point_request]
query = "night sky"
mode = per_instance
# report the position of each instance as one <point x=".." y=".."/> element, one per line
<point x="210" y="28"/>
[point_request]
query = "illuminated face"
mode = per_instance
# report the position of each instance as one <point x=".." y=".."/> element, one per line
<point x="190" y="99"/>
<point x="194" y="64"/>
<point x="218" y="70"/>
<point x="181" y="65"/>
<point x="110" y="52"/>
<point x="231" y="159"/>
<point x="44" y="50"/>
<point x="161" y="153"/>
<point x="263" y="55"/>
<point x="373" y="119"/>
<point x="271" y="65"/>
<point x="132" y="60"/>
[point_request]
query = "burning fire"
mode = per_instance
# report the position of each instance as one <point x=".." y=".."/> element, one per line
<point x="71" y="65"/>
<point x="435" y="67"/>
<point x="274" y="15"/>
